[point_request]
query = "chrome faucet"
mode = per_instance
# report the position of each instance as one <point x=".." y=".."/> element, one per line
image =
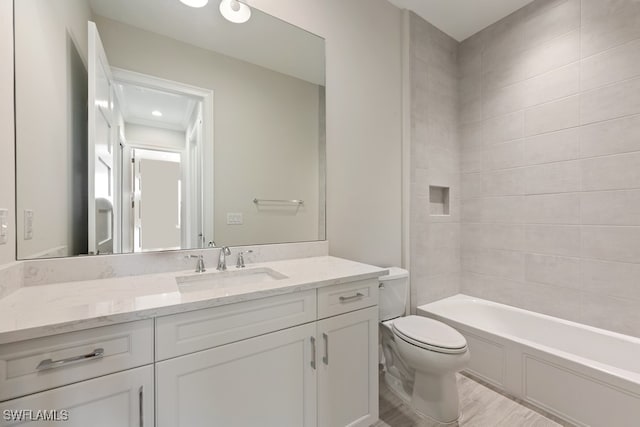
<point x="240" y="262"/>
<point x="222" y="259"/>
<point x="200" y="265"/>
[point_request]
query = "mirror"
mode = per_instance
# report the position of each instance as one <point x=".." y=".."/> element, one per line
<point x="146" y="125"/>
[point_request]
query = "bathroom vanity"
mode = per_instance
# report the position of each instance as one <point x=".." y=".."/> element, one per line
<point x="285" y="343"/>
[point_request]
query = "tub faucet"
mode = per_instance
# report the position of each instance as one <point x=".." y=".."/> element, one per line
<point x="222" y="259"/>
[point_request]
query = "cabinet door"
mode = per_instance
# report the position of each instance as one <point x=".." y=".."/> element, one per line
<point x="348" y="369"/>
<point x="264" y="381"/>
<point x="122" y="399"/>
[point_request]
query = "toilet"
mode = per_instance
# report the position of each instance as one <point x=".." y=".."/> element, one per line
<point x="421" y="356"/>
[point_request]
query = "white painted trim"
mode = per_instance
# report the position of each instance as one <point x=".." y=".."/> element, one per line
<point x="145" y="146"/>
<point x="207" y="97"/>
<point x="406" y="145"/>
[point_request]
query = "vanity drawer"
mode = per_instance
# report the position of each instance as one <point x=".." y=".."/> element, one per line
<point x="338" y="299"/>
<point x="43" y="363"/>
<point x="193" y="331"/>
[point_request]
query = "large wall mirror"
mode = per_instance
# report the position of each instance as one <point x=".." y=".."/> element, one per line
<point x="146" y="125"/>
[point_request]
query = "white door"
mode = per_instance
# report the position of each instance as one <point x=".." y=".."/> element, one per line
<point x="122" y="399"/>
<point x="159" y="204"/>
<point x="265" y="381"/>
<point x="348" y="369"/>
<point x="101" y="147"/>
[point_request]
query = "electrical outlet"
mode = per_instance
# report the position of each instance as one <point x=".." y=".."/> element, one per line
<point x="4" y="226"/>
<point x="234" y="219"/>
<point x="28" y="224"/>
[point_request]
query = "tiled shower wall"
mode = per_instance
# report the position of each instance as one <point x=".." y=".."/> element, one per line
<point x="550" y="137"/>
<point x="435" y="161"/>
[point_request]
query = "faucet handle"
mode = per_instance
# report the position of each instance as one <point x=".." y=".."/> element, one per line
<point x="240" y="262"/>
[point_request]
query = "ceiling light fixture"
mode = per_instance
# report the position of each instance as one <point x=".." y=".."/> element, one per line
<point x="195" y="3"/>
<point x="156" y="113"/>
<point x="234" y="11"/>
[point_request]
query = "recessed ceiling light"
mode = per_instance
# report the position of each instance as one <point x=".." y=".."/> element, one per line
<point x="235" y="11"/>
<point x="156" y="113"/>
<point x="195" y="3"/>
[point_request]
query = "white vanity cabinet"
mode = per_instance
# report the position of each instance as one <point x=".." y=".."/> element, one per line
<point x="97" y="375"/>
<point x="305" y="358"/>
<point x="123" y="399"/>
<point x="348" y="369"/>
<point x="263" y="381"/>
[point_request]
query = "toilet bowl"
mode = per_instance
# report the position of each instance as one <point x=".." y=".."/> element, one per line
<point x="421" y="355"/>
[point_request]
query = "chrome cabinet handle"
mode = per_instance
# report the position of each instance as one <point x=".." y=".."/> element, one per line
<point x="325" y="358"/>
<point x="356" y="296"/>
<point x="50" y="364"/>
<point x="141" y="405"/>
<point x="313" y="352"/>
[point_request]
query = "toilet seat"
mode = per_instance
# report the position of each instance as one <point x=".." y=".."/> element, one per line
<point x="429" y="334"/>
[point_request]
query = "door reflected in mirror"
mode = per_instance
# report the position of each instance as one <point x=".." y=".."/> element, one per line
<point x="148" y="125"/>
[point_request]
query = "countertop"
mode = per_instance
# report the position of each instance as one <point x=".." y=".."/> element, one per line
<point x="36" y="311"/>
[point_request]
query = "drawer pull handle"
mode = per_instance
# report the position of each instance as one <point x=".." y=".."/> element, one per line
<point x="141" y="406"/>
<point x="313" y="352"/>
<point x="352" y="297"/>
<point x="325" y="358"/>
<point x="50" y="364"/>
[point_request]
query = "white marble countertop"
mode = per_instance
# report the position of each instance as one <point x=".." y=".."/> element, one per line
<point x="36" y="311"/>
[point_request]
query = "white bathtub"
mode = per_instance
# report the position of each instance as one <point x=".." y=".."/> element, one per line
<point x="585" y="375"/>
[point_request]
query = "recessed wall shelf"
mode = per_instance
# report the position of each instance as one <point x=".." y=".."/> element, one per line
<point x="438" y="200"/>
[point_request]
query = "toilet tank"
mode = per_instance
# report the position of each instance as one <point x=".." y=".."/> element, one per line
<point x="394" y="290"/>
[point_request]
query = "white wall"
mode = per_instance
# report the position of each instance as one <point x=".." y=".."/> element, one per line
<point x="7" y="181"/>
<point x="364" y="125"/>
<point x="44" y="126"/>
<point x="254" y="154"/>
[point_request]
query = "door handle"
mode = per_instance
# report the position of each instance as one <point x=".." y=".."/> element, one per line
<point x="50" y="364"/>
<point x="313" y="352"/>
<point x="325" y="358"/>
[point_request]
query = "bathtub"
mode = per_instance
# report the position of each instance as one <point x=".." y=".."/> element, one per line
<point x="584" y="375"/>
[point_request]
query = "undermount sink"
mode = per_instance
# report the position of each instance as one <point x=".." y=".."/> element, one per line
<point x="225" y="279"/>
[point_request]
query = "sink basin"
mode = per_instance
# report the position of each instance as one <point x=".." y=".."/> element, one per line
<point x="225" y="279"/>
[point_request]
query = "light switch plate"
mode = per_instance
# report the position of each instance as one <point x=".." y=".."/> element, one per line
<point x="234" y="219"/>
<point x="28" y="224"/>
<point x="4" y="226"/>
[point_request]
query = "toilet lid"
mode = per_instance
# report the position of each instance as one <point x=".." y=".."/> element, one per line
<point x="429" y="334"/>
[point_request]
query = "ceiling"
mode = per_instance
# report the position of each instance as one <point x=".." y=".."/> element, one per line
<point x="461" y="18"/>
<point x="137" y="104"/>
<point x="263" y="40"/>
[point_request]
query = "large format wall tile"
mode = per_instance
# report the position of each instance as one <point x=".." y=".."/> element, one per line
<point x="549" y="133"/>
<point x="611" y="173"/>
<point x="552" y="147"/>
<point x="610" y="102"/>
<point x="608" y="23"/>
<point x="553" y="239"/>
<point x="436" y="157"/>
<point x="611" y="243"/>
<point x="552" y="116"/>
<point x="561" y="177"/>
<point x="620" y="63"/>
<point x="610" y="137"/>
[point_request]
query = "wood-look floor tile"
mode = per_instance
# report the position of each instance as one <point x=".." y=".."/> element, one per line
<point x="480" y="405"/>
